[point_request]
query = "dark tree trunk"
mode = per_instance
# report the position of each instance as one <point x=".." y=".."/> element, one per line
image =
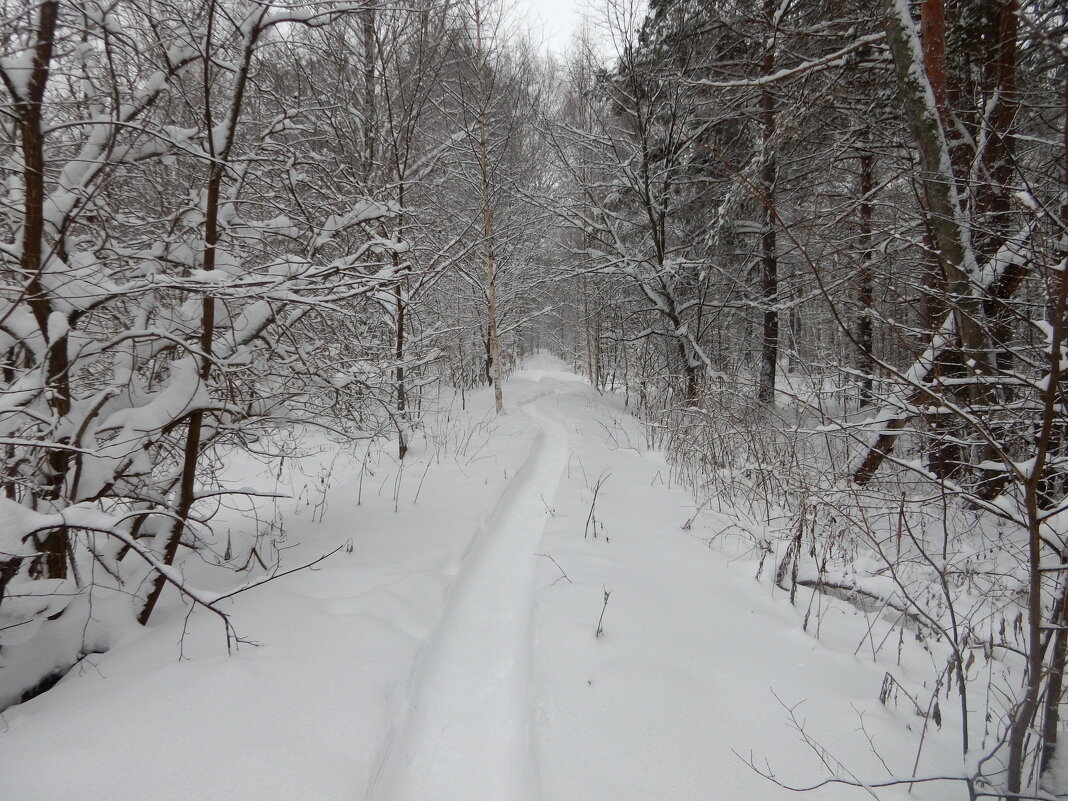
<point x="216" y="173"/>
<point x="866" y="289"/>
<point x="769" y="260"/>
<point x="28" y="104"/>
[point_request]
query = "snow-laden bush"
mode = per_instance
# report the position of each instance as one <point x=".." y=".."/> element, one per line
<point x="174" y="283"/>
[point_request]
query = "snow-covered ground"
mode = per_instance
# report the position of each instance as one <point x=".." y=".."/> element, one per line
<point x="454" y="652"/>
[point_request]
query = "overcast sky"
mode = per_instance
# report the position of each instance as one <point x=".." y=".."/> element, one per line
<point x="556" y="19"/>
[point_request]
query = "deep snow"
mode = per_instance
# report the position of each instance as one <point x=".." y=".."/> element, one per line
<point x="452" y="654"/>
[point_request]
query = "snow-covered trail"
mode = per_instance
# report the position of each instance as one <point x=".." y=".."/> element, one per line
<point x="441" y="658"/>
<point x="467" y="732"/>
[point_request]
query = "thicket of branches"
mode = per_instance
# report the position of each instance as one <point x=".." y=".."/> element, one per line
<point x="822" y="249"/>
<point x="224" y="222"/>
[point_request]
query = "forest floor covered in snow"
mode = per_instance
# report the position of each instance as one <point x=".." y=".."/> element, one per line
<point x="488" y="636"/>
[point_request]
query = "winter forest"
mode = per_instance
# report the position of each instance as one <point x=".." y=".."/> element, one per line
<point x="393" y="409"/>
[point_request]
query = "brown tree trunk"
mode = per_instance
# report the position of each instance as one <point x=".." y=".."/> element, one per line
<point x="1024" y="715"/>
<point x="933" y="38"/>
<point x="1051" y="723"/>
<point x="938" y="182"/>
<point x="919" y="92"/>
<point x="216" y="173"/>
<point x="993" y="195"/>
<point x="53" y="547"/>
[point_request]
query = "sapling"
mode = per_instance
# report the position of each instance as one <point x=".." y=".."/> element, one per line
<point x="600" y="620"/>
<point x="591" y="519"/>
<point x="419" y="489"/>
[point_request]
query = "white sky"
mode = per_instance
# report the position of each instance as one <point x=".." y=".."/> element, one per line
<point x="556" y="19"/>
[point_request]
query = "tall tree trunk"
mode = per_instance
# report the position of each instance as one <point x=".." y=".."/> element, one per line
<point x="491" y="310"/>
<point x="367" y="35"/>
<point x="587" y="327"/>
<point x="994" y="194"/>
<point x="769" y="259"/>
<point x="488" y="244"/>
<point x="946" y="216"/>
<point x="53" y="546"/>
<point x="400" y="305"/>
<point x="933" y="39"/>
<point x="1051" y="717"/>
<point x="220" y="154"/>
<point x="1059" y="618"/>
<point x="194" y="431"/>
<point x="1046" y="445"/>
<point x="398" y="354"/>
<point x="866" y="288"/>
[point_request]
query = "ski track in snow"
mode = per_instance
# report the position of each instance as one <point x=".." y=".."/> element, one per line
<point x="467" y="735"/>
<point x="443" y="660"/>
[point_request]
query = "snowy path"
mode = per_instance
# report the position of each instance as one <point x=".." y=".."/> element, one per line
<point x="441" y="659"/>
<point x="467" y="735"/>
